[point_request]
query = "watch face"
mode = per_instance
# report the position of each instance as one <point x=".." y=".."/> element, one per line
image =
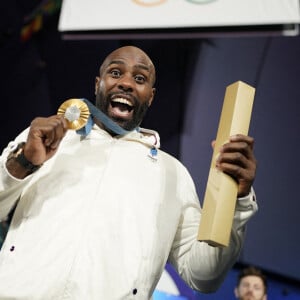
<point x="13" y="146"/>
<point x="18" y="151"/>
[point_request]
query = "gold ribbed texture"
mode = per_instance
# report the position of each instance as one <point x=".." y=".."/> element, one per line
<point x="76" y="112"/>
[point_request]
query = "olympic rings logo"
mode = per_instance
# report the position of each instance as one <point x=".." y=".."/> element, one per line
<point x="149" y="2"/>
<point x="159" y="2"/>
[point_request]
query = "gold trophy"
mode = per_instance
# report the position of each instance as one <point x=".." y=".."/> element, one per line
<point x="221" y="190"/>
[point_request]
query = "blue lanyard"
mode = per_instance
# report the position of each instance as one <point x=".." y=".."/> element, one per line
<point x="103" y="118"/>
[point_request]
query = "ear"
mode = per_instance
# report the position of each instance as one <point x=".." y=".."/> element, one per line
<point x="97" y="80"/>
<point x="236" y="293"/>
<point x="152" y="96"/>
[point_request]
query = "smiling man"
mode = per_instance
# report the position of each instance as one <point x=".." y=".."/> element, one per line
<point x="97" y="216"/>
<point x="124" y="90"/>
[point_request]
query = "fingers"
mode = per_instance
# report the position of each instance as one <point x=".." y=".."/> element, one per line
<point x="236" y="158"/>
<point x="50" y="131"/>
<point x="238" y="150"/>
<point x="55" y="132"/>
<point x="243" y="139"/>
<point x="44" y="137"/>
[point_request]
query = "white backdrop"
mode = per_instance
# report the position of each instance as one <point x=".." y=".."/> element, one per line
<point x="77" y="15"/>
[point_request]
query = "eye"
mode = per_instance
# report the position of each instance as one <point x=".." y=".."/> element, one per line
<point x="115" y="73"/>
<point x="140" y="78"/>
<point x="245" y="285"/>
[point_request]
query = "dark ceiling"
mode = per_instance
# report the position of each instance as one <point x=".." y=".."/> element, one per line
<point x="38" y="74"/>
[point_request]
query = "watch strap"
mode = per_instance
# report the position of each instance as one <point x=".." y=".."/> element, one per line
<point x="19" y="156"/>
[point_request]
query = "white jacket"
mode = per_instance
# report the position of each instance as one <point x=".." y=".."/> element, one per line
<point x="100" y="219"/>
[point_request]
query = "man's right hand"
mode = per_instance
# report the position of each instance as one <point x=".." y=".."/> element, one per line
<point x="44" y="137"/>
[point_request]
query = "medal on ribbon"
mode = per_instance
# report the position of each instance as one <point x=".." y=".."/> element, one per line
<point x="76" y="113"/>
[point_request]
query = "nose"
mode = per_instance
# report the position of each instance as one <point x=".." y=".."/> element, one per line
<point x="250" y="291"/>
<point x="126" y="83"/>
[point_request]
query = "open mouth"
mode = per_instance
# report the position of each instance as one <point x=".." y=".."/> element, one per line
<point x="121" y="108"/>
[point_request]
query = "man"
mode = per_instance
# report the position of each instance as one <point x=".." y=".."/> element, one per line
<point x="251" y="285"/>
<point x="98" y="215"/>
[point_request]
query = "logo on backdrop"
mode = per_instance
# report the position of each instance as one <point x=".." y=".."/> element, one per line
<point x="159" y="2"/>
<point x="149" y="2"/>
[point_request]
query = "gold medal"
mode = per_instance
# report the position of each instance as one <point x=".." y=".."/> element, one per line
<point x="76" y="113"/>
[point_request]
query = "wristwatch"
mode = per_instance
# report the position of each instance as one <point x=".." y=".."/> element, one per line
<point x="18" y="155"/>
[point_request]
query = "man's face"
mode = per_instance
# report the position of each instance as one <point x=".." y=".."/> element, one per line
<point x="250" y="288"/>
<point x="124" y="90"/>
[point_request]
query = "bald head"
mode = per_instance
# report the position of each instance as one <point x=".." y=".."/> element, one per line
<point x="125" y="88"/>
<point x="130" y="52"/>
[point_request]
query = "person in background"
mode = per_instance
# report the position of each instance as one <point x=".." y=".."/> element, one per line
<point x="98" y="213"/>
<point x="251" y="284"/>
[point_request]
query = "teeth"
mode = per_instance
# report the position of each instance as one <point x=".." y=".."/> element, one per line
<point x="123" y="101"/>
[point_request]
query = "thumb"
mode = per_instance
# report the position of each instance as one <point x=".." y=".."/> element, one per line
<point x="213" y="143"/>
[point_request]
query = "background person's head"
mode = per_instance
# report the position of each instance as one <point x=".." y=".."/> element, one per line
<point x="251" y="285"/>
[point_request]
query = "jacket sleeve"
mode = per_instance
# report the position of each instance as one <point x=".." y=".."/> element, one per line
<point x="10" y="187"/>
<point x="201" y="266"/>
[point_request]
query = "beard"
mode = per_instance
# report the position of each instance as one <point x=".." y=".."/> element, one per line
<point x="250" y="296"/>
<point x="139" y="111"/>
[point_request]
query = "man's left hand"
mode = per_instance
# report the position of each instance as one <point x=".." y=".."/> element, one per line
<point x="237" y="159"/>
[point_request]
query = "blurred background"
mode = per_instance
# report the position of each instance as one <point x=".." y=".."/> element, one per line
<point x="51" y="51"/>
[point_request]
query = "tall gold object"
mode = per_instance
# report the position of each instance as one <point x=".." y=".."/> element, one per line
<point x="76" y="112"/>
<point x="221" y="190"/>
